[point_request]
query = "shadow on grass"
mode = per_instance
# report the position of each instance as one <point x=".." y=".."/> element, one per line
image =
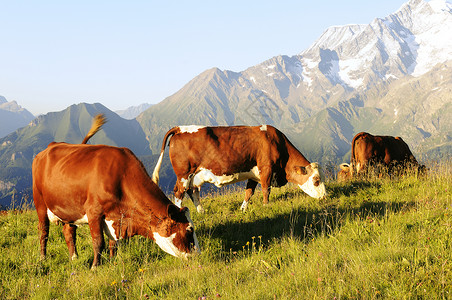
<point x="299" y="223"/>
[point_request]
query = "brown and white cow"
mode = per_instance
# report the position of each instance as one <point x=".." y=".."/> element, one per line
<point x="225" y="155"/>
<point x="109" y="189"/>
<point x="370" y="150"/>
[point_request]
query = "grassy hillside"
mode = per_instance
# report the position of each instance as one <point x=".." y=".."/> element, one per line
<point x="368" y="240"/>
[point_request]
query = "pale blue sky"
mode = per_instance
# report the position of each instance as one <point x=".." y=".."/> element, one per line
<point x="122" y="53"/>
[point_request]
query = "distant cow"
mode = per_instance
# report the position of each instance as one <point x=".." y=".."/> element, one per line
<point x="109" y="189"/>
<point x="370" y="150"/>
<point x="225" y="155"/>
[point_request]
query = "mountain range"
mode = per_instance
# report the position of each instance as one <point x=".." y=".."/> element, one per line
<point x="392" y="77"/>
<point x="348" y="81"/>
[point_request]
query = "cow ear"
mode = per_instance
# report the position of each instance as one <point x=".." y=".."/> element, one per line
<point x="344" y="166"/>
<point x="301" y="170"/>
<point x="173" y="211"/>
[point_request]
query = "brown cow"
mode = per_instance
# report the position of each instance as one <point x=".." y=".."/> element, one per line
<point x="225" y="155"/>
<point x="370" y="150"/>
<point x="109" y="189"/>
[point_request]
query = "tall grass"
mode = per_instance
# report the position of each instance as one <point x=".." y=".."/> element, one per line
<point x="375" y="239"/>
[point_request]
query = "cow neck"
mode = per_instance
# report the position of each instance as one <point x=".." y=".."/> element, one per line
<point x="295" y="157"/>
<point x="151" y="206"/>
<point x="155" y="206"/>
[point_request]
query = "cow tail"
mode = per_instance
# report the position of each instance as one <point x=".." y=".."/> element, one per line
<point x="155" y="174"/>
<point x="352" y="155"/>
<point x="353" y="165"/>
<point x="98" y="121"/>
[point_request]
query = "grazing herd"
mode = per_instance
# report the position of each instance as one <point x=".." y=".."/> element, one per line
<point x="109" y="189"/>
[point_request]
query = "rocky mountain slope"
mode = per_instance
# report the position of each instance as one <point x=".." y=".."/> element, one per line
<point x="133" y="111"/>
<point x="12" y="116"/>
<point x="18" y="149"/>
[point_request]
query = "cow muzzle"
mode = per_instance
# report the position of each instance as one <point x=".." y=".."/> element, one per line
<point x="314" y="188"/>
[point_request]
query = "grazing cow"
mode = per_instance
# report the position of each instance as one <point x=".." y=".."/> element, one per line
<point x="109" y="189"/>
<point x="225" y="155"/>
<point x="370" y="150"/>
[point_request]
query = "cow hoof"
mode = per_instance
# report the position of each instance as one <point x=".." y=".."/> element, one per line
<point x="244" y="206"/>
<point x="200" y="209"/>
<point x="74" y="256"/>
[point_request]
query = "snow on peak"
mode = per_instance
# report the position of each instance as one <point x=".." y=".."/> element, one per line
<point x="441" y="6"/>
<point x="411" y="41"/>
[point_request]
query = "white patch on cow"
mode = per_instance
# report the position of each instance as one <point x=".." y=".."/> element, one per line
<point x="244" y="206"/>
<point x="190" y="128"/>
<point x="178" y="202"/>
<point x="263" y="128"/>
<point x="55" y="219"/>
<point x="309" y="188"/>
<point x="167" y="245"/>
<point x="83" y="220"/>
<point x="195" y="198"/>
<point x="191" y="226"/>
<point x="206" y="175"/>
<point x="185" y="183"/>
<point x="358" y="167"/>
<point x="52" y="217"/>
<point x="109" y="230"/>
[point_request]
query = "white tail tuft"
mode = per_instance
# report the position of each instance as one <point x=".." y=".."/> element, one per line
<point x="155" y="174"/>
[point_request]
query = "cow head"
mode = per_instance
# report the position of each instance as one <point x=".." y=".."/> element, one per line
<point x="175" y="234"/>
<point x="310" y="180"/>
<point x="345" y="172"/>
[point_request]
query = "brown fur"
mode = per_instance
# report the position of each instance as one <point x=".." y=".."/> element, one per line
<point x="369" y="150"/>
<point x="235" y="149"/>
<point x="104" y="183"/>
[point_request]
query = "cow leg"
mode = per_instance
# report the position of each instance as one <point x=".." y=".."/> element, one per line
<point x="250" y="187"/>
<point x="179" y="192"/>
<point x="266" y="176"/>
<point x="97" y="235"/>
<point x="43" y="227"/>
<point x="112" y="246"/>
<point x="69" y="232"/>
<point x="193" y="193"/>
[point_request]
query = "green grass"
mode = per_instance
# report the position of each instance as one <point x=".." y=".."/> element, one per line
<point x="377" y="239"/>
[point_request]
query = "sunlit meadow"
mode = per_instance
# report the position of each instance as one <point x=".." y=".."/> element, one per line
<point x="370" y="239"/>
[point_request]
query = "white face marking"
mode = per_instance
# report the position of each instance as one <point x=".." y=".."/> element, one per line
<point x="167" y="245"/>
<point x="109" y="230"/>
<point x="190" y="128"/>
<point x="314" y="191"/>
<point x="205" y="175"/>
<point x="263" y="128"/>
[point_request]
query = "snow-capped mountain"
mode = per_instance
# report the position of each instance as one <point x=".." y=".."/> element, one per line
<point x="409" y="42"/>
<point x="346" y="63"/>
